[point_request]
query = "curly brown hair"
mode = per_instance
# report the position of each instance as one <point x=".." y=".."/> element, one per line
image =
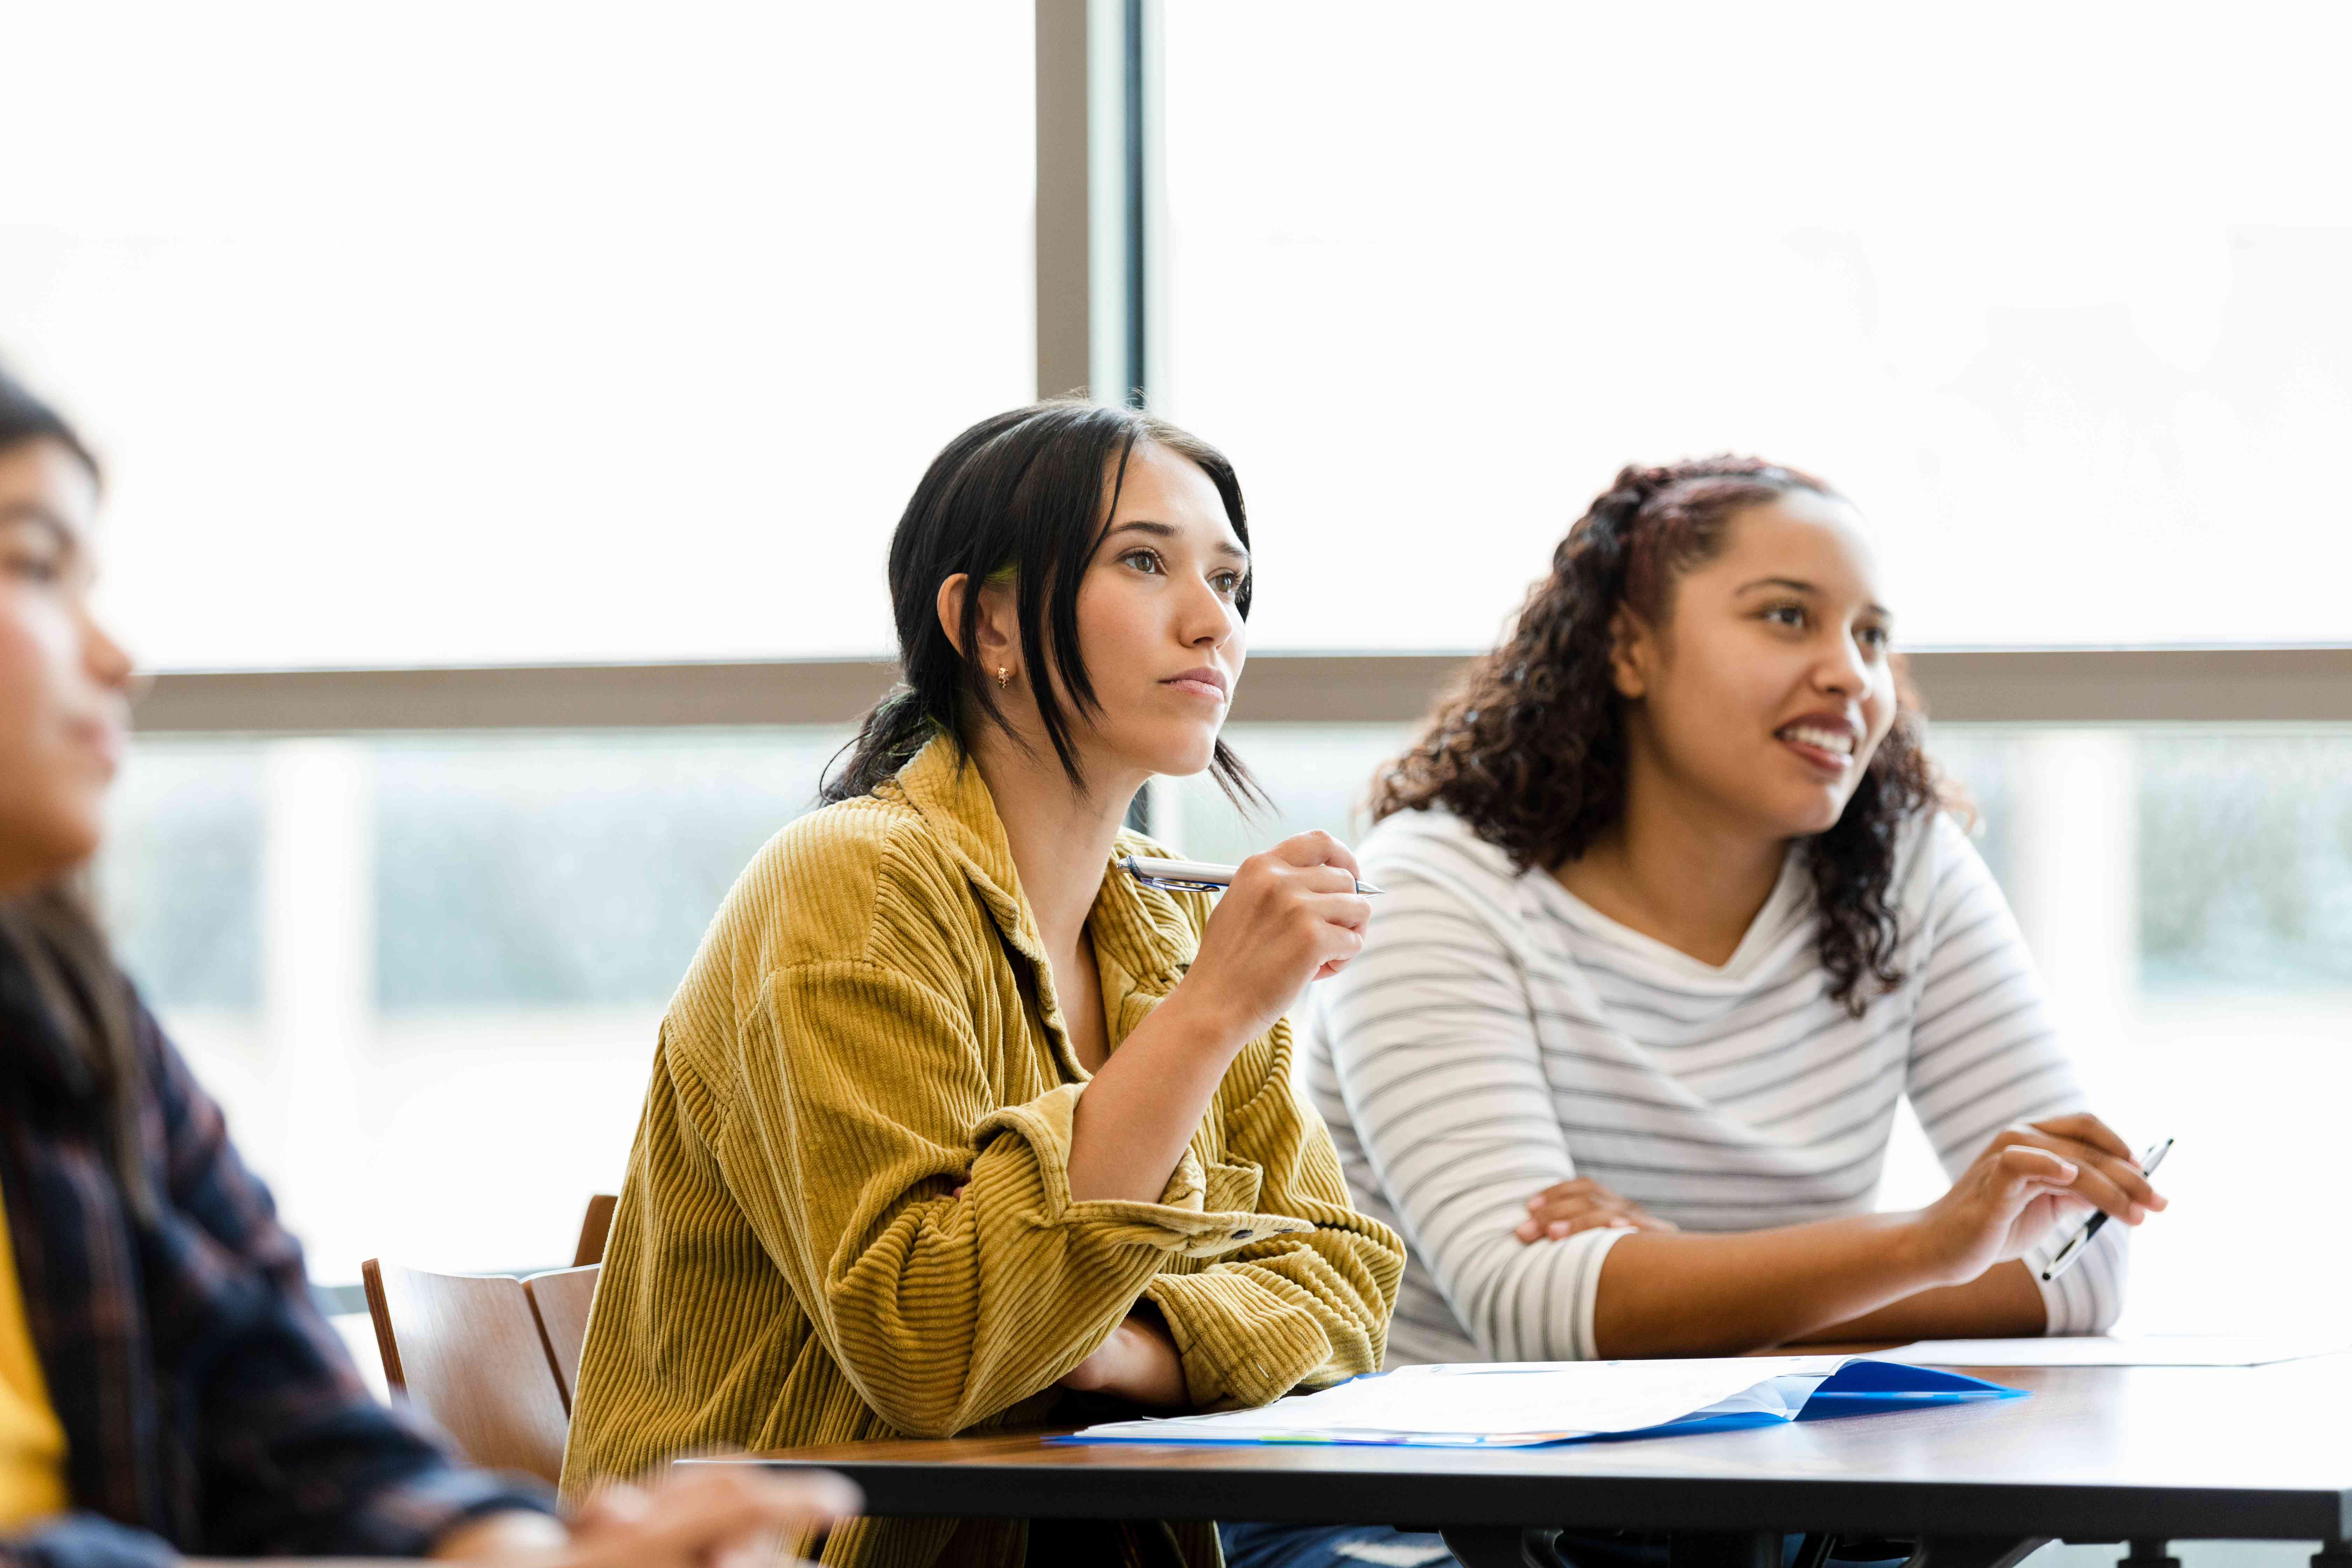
<point x="1527" y="747"/>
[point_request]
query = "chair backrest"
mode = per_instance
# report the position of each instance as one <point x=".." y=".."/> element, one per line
<point x="594" y="1228"/>
<point x="561" y="1297"/>
<point x="467" y="1351"/>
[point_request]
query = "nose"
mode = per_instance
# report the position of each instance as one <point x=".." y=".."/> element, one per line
<point x="1206" y="619"/>
<point x="107" y="661"/>
<point x="1843" y="670"/>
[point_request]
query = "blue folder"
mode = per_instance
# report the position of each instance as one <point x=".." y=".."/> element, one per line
<point x="1859" y="1388"/>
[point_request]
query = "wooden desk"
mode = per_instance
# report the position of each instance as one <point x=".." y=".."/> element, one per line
<point x="2098" y="1454"/>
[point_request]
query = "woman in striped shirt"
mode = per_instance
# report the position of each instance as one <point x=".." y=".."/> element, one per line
<point x="1675" y="919"/>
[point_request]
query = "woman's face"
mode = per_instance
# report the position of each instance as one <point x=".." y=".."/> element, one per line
<point x="64" y="684"/>
<point x="1769" y="689"/>
<point x="1159" y="628"/>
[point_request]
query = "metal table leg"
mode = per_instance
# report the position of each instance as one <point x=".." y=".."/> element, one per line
<point x="1739" y="1549"/>
<point x="1501" y="1546"/>
<point x="1979" y="1552"/>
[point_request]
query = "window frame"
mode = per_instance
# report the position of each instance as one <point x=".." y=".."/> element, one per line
<point x="1098" y="314"/>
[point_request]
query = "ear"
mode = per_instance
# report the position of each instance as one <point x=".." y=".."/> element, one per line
<point x="997" y="631"/>
<point x="1632" y="654"/>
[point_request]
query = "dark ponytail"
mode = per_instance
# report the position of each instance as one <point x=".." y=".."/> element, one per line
<point x="54" y="930"/>
<point x="1021" y="496"/>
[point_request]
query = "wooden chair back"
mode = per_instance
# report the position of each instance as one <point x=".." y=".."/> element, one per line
<point x="467" y="1351"/>
<point x="561" y="1297"/>
<point x="594" y="1228"/>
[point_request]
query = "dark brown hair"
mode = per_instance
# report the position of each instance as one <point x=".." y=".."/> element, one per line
<point x="1527" y="748"/>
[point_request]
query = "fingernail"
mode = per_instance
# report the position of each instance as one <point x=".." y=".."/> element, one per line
<point x="1559" y="1228"/>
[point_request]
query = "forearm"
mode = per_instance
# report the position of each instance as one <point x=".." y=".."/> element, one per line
<point x="1140" y="1113"/>
<point x="2000" y="1303"/>
<point x="1679" y="1294"/>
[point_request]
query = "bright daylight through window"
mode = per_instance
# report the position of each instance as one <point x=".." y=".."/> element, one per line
<point x="2074" y="297"/>
<point x="451" y="334"/>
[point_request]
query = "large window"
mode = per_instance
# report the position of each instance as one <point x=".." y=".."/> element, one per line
<point x="565" y="334"/>
<point x="448" y="333"/>
<point x="417" y="970"/>
<point x="2063" y="311"/>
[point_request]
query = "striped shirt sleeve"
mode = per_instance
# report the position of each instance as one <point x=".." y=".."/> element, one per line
<point x="1985" y="1056"/>
<point x="1435" y="1047"/>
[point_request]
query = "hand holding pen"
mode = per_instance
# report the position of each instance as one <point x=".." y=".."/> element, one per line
<point x="2077" y="1243"/>
<point x="2026" y="1181"/>
<point x="1288" y="916"/>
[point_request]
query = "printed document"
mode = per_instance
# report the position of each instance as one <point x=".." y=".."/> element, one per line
<point x="1505" y="1403"/>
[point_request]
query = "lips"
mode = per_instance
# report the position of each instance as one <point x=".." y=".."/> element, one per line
<point x="1825" y="740"/>
<point x="1839" y="743"/>
<point x="1203" y="682"/>
<point x="103" y="740"/>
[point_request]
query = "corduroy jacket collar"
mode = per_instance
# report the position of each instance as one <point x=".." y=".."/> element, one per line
<point x="1144" y="937"/>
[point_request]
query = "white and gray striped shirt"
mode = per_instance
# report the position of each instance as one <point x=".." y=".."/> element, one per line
<point x="1497" y="1034"/>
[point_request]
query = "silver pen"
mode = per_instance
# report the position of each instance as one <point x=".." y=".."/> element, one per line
<point x="1192" y="876"/>
<point x="2080" y="1242"/>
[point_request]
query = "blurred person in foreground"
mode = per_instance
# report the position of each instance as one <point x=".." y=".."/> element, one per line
<point x="951" y="1120"/>
<point x="166" y="1384"/>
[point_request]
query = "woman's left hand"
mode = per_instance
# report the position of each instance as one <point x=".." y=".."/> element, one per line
<point x="1566" y="1207"/>
<point x="1138" y="1362"/>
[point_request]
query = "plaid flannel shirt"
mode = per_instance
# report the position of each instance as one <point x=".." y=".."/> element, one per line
<point x="208" y="1408"/>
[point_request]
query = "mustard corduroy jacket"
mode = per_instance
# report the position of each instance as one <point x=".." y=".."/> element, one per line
<point x="870" y="1025"/>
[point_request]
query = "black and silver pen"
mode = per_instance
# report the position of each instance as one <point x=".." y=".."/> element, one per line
<point x="2077" y="1243"/>
<point x="1192" y="876"/>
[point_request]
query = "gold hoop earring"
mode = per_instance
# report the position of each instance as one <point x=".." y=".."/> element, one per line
<point x="1003" y="676"/>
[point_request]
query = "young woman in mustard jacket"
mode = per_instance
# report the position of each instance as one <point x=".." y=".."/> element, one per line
<point x="951" y="1117"/>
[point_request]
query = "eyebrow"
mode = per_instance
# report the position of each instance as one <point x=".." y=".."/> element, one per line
<point x="1226" y="547"/>
<point x="1799" y="586"/>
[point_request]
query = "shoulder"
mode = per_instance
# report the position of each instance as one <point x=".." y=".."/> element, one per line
<point x="862" y="880"/>
<point x="1434" y="871"/>
<point x="1433" y="846"/>
<point x="1942" y="858"/>
<point x="1938" y="872"/>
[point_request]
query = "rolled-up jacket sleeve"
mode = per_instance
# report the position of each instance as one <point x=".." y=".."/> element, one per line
<point x="929" y="1232"/>
<point x="1308" y="1306"/>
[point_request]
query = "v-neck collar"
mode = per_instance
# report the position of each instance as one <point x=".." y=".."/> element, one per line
<point x="1764" y="934"/>
<point x="1142" y="938"/>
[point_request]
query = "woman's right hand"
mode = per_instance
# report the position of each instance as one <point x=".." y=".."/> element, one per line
<point x="2028" y="1180"/>
<point x="1293" y="915"/>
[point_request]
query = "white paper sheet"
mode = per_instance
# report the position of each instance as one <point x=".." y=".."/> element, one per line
<point x="1505" y="1404"/>
<point x="2119" y="1350"/>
